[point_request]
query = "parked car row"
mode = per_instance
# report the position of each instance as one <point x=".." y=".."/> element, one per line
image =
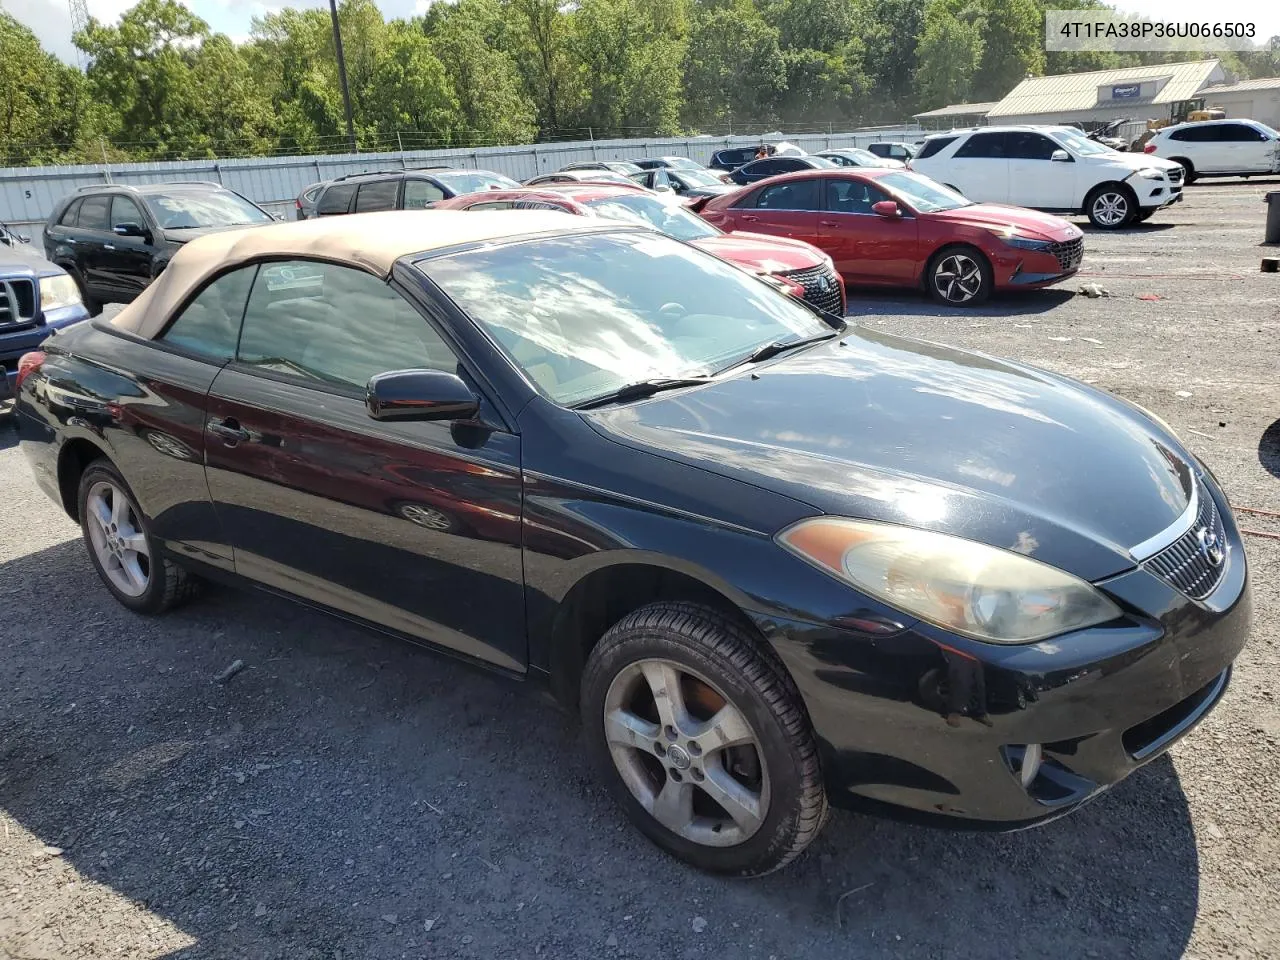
<point x="774" y="562"/>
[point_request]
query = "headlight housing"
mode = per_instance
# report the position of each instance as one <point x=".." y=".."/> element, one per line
<point x="966" y="587"/>
<point x="1151" y="173"/>
<point x="1026" y="243"/>
<point x="58" y="290"/>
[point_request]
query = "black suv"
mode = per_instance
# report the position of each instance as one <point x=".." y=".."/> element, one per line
<point x="403" y="189"/>
<point x="733" y="158"/>
<point x="773" y="166"/>
<point x="114" y="240"/>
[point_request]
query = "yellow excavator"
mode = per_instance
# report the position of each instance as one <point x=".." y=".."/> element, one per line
<point x="1180" y="111"/>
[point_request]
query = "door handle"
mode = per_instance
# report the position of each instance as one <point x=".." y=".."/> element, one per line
<point x="751" y="219"/>
<point x="827" y="223"/>
<point x="108" y="246"/>
<point x="228" y="430"/>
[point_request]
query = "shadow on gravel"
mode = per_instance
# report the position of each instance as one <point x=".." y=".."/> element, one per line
<point x="345" y="789"/>
<point x="8" y="429"/>
<point x="867" y="303"/>
<point x="1269" y="449"/>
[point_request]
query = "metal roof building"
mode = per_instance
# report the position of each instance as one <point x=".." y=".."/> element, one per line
<point x="1135" y="92"/>
<point x="955" y="115"/>
<point x="1255" y="99"/>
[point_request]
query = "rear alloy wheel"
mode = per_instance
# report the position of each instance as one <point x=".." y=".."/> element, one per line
<point x="960" y="277"/>
<point x="702" y="737"/>
<point x="122" y="548"/>
<point x="1110" y="208"/>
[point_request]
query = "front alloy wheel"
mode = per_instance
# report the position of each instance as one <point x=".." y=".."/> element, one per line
<point x="702" y="737"/>
<point x="960" y="278"/>
<point x="1110" y="209"/>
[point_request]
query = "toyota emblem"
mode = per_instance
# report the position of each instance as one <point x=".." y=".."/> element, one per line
<point x="1211" y="547"/>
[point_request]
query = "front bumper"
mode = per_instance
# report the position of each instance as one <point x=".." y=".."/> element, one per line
<point x="930" y="726"/>
<point x="1019" y="268"/>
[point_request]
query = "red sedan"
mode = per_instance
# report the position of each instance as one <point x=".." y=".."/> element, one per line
<point x="803" y="271"/>
<point x="898" y="228"/>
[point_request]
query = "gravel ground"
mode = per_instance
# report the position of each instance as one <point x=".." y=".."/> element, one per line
<point x="349" y="796"/>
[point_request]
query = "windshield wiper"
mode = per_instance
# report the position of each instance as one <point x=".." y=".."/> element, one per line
<point x="772" y="349"/>
<point x="639" y="390"/>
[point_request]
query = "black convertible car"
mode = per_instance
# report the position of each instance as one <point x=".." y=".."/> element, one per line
<point x="775" y="561"/>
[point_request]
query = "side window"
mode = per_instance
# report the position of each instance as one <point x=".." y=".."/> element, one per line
<point x="1240" y="133"/>
<point x="378" y="195"/>
<point x="334" y="325"/>
<point x="210" y="324"/>
<point x="491" y="205"/>
<point x="536" y="205"/>
<point x="985" y="145"/>
<point x="762" y="168"/>
<point x="95" y="212"/>
<point x="419" y="193"/>
<point x="1179" y="135"/>
<point x="1029" y="146"/>
<point x="336" y="199"/>
<point x="852" y="196"/>
<point x="72" y="214"/>
<point x="1203" y="134"/>
<point x="791" y="164"/>
<point x="934" y="145"/>
<point x="794" y="195"/>
<point x="124" y="210"/>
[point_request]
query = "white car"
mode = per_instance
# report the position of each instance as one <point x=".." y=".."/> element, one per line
<point x="1055" y="169"/>
<point x="1219" y="148"/>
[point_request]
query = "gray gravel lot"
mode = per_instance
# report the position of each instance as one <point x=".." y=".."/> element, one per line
<point x="349" y="796"/>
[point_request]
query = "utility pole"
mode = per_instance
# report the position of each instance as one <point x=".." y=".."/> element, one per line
<point x="342" y="75"/>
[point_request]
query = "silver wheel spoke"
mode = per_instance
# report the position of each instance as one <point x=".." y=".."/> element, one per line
<point x="135" y="542"/>
<point x="739" y="802"/>
<point x="728" y="728"/>
<point x="132" y="570"/>
<point x="119" y="509"/>
<point x="673" y="806"/>
<point x="623" y="728"/>
<point x="664" y="683"/>
<point x="99" y="510"/>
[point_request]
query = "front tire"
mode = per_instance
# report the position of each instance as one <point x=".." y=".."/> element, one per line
<point x="959" y="276"/>
<point x="121" y="545"/>
<point x="1111" y="206"/>
<point x="702" y="737"/>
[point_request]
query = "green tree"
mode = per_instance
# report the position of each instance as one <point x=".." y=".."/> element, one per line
<point x="45" y="111"/>
<point x="948" y="56"/>
<point x="891" y="30"/>
<point x="733" y="67"/>
<point x="541" y="41"/>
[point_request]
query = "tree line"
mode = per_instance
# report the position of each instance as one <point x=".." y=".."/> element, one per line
<point x="161" y="85"/>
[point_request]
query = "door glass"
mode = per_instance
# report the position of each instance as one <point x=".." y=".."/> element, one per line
<point x="1025" y="145"/>
<point x="419" y="193"/>
<point x="124" y="210"/>
<point x="210" y="324"/>
<point x="852" y="196"/>
<point x="71" y="215"/>
<point x="95" y="212"/>
<point x="334" y="325"/>
<point x="336" y="199"/>
<point x="379" y="195"/>
<point x="1239" y="133"/>
<point x="491" y="205"/>
<point x="983" y="145"/>
<point x="793" y="195"/>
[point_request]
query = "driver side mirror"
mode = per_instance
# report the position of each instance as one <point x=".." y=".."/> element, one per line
<point x="886" y="208"/>
<point x="662" y="188"/>
<point x="420" y="395"/>
<point x="128" y="229"/>
<point x="1060" y="156"/>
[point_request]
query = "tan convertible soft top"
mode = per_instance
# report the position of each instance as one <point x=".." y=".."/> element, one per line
<point x="371" y="241"/>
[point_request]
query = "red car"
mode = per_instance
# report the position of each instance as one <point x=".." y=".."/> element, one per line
<point x="897" y="228"/>
<point x="803" y="271"/>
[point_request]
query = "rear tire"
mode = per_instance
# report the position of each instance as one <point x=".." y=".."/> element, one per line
<point x="1111" y="206"/>
<point x="959" y="276"/>
<point x="122" y="548"/>
<point x="683" y="708"/>
<point x="1189" y="176"/>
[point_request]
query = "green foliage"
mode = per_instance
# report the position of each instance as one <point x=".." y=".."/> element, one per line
<point x="161" y="84"/>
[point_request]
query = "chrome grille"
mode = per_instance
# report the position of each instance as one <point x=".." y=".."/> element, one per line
<point x="1188" y="564"/>
<point x="1069" y="253"/>
<point x="821" y="288"/>
<point x="17" y="302"/>
<point x="1175" y="176"/>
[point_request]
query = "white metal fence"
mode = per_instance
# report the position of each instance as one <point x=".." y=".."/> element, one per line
<point x="28" y="194"/>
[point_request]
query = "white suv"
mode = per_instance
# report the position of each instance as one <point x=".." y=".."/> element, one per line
<point x="1056" y="169"/>
<point x="1219" y="148"/>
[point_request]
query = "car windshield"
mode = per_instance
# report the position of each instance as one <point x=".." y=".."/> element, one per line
<point x="212" y="208"/>
<point x="473" y="182"/>
<point x="601" y="176"/>
<point x="1267" y="130"/>
<point x="822" y="162"/>
<point x="1079" y="144"/>
<point x="644" y="208"/>
<point x="683" y="163"/>
<point x="583" y="315"/>
<point x="927" y="196"/>
<point x="866" y="156"/>
<point x="699" y="178"/>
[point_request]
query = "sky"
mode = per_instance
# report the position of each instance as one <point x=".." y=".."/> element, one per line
<point x="51" y="19"/>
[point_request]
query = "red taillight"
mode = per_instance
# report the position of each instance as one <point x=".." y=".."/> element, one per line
<point x="27" y="365"/>
<point x="298" y="204"/>
<point x="1149" y="148"/>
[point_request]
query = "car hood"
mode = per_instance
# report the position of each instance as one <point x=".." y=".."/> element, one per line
<point x="1001" y="216"/>
<point x="763" y="253"/>
<point x="22" y="259"/>
<point x="187" y="234"/>
<point x="1140" y="161"/>
<point x="710" y="191"/>
<point x="879" y="427"/>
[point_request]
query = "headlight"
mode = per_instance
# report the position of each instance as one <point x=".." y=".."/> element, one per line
<point x="966" y="587"/>
<point x="1026" y="243"/>
<point x="57" y="291"/>
<point x="1151" y="173"/>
